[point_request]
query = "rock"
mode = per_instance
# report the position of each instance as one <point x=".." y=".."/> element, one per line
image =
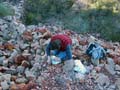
<point x="68" y="65"/>
<point x="110" y="62"/>
<point x="21" y="28"/>
<point x="79" y="76"/>
<point x="25" y="64"/>
<point x="21" y="80"/>
<point x="118" y="73"/>
<point x="112" y="87"/>
<point x="98" y="69"/>
<point x="21" y="86"/>
<point x="20" y="69"/>
<point x="7" y="77"/>
<point x="18" y="59"/>
<point x="31" y="27"/>
<point x="103" y="80"/>
<point x="1" y="60"/>
<point x="110" y="69"/>
<point x="4" y="85"/>
<point x="13" y="78"/>
<point x="8" y="18"/>
<point x="29" y="74"/>
<point x="13" y="87"/>
<point x="60" y="80"/>
<point x="117" y="67"/>
<point x="117" y="83"/>
<point x="31" y="85"/>
<point x="40" y="79"/>
<point x="27" y="36"/>
<point x="79" y="67"/>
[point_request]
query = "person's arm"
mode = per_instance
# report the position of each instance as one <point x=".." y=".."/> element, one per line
<point x="68" y="52"/>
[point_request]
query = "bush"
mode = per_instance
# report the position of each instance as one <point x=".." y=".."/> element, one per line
<point x="5" y="10"/>
<point x="44" y="9"/>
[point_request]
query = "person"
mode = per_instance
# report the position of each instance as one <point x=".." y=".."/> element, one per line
<point x="60" y="46"/>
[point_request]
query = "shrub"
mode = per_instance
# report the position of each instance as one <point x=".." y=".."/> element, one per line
<point x="42" y="9"/>
<point x="6" y="9"/>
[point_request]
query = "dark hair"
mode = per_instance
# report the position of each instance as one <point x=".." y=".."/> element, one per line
<point x="55" y="44"/>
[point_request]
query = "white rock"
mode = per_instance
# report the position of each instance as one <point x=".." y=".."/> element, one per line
<point x="31" y="27"/>
<point x="1" y="60"/>
<point x="4" y="85"/>
<point x="79" y="67"/>
<point x="117" y="67"/>
<point x="7" y="77"/>
<point x="21" y="80"/>
<point x="117" y="83"/>
<point x="21" y="28"/>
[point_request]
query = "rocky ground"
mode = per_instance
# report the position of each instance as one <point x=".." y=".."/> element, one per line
<point x="24" y="66"/>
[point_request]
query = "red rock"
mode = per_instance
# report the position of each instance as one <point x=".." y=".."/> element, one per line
<point x="68" y="33"/>
<point x="20" y="58"/>
<point x="98" y="69"/>
<point x="117" y="60"/>
<point x="108" y="46"/>
<point x="47" y="35"/>
<point x="13" y="78"/>
<point x="27" y="36"/>
<point x="30" y="85"/>
<point x="1" y="47"/>
<point x="9" y="46"/>
<point x="41" y="30"/>
<point x="82" y="41"/>
<point x="25" y="63"/>
<point x="21" y="86"/>
<point x="13" y="87"/>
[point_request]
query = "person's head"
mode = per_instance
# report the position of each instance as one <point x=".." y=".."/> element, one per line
<point x="56" y="44"/>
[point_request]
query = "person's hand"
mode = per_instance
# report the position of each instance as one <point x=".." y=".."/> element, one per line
<point x="57" y="59"/>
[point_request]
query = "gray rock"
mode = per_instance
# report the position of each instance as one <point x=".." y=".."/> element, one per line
<point x="29" y="74"/>
<point x="60" y="80"/>
<point x="20" y="69"/>
<point x="8" y="18"/>
<point x="68" y="65"/>
<point x="117" y="83"/>
<point x="7" y="77"/>
<point x="79" y="76"/>
<point x="111" y="62"/>
<point x="103" y="80"/>
<point x="110" y="69"/>
<point x="40" y="79"/>
<point x="118" y="73"/>
<point x="112" y="87"/>
<point x="4" y="85"/>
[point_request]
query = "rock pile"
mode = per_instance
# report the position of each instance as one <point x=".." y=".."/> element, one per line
<point x="23" y="61"/>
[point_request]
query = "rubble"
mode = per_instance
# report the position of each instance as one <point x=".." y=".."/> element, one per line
<point x="24" y="66"/>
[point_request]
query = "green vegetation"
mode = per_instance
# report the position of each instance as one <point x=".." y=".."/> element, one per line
<point x="5" y="10"/>
<point x="99" y="16"/>
<point x="36" y="11"/>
